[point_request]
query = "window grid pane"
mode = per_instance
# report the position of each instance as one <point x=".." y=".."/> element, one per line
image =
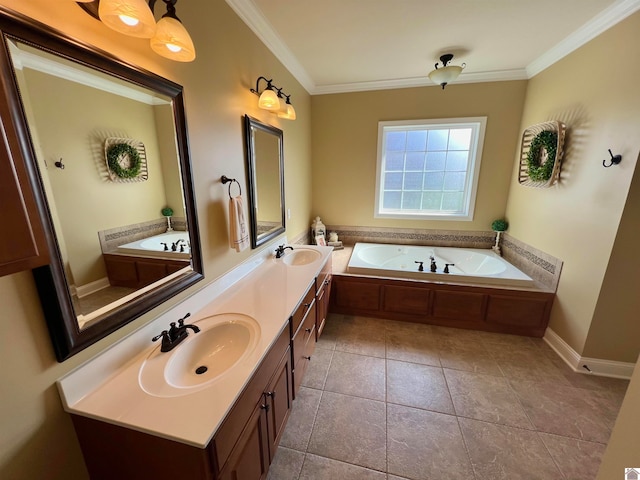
<point x="425" y="170"/>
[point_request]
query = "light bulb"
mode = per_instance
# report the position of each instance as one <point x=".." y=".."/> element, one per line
<point x="126" y="19"/>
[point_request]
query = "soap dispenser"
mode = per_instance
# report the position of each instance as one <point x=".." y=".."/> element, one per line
<point x="318" y="232"/>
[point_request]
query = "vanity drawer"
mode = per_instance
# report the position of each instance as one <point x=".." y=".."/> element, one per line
<point x="302" y="309"/>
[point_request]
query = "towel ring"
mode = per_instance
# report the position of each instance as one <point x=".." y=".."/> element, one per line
<point x="224" y="179"/>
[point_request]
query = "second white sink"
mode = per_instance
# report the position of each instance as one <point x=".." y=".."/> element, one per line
<point x="301" y="256"/>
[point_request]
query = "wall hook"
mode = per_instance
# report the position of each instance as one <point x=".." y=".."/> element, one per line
<point x="615" y="160"/>
<point x="59" y="164"/>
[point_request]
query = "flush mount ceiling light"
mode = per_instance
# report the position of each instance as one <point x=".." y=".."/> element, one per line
<point x="447" y="73"/>
<point x="135" y="18"/>
<point x="274" y="100"/>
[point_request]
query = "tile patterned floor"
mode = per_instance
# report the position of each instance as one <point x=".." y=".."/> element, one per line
<point x="386" y="400"/>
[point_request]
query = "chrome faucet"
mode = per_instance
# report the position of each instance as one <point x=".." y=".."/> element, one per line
<point x="280" y="251"/>
<point x="176" y="334"/>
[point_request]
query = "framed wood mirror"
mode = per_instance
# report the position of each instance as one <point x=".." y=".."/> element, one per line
<point x="70" y="105"/>
<point x="265" y="171"/>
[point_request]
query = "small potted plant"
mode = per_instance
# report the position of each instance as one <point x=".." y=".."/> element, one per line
<point x="168" y="212"/>
<point x="498" y="226"/>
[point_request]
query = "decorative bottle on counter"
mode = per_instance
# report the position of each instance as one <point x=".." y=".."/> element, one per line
<point x="318" y="230"/>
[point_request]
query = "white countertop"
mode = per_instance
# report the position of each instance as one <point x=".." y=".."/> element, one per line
<point x="107" y="387"/>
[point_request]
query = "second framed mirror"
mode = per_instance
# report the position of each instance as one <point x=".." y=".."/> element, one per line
<point x="265" y="171"/>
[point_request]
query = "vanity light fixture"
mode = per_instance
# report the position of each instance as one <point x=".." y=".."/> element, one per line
<point x="274" y="100"/>
<point x="168" y="37"/>
<point x="447" y="73"/>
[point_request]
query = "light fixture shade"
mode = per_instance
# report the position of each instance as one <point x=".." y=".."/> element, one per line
<point x="269" y="100"/>
<point x="172" y="41"/>
<point x="445" y="75"/>
<point x="289" y="113"/>
<point x="131" y="17"/>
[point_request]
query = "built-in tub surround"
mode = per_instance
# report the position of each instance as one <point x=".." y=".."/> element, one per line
<point x="111" y="239"/>
<point x="108" y="388"/>
<point x="540" y="266"/>
<point x="437" y="264"/>
<point x="170" y="245"/>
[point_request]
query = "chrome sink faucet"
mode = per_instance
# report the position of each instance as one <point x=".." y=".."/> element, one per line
<point x="176" y="334"/>
<point x="281" y="250"/>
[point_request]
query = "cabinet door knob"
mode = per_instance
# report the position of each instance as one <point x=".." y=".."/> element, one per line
<point x="271" y="394"/>
<point x="308" y="358"/>
<point x="264" y="407"/>
<point x="308" y="330"/>
<point x="307" y="305"/>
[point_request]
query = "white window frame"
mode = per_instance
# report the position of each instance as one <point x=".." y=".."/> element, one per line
<point x="478" y="127"/>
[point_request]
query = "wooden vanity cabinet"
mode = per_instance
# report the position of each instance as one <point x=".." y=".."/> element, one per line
<point x="24" y="246"/>
<point x="241" y="449"/>
<point x="323" y="291"/>
<point x="303" y="338"/>
<point x="138" y="272"/>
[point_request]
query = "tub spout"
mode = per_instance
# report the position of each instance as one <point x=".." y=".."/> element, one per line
<point x="434" y="267"/>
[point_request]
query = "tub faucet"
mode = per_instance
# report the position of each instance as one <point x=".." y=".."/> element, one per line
<point x="420" y="267"/>
<point x="434" y="267"/>
<point x="176" y="334"/>
<point x="280" y="250"/>
<point x="446" y="267"/>
<point x="165" y="246"/>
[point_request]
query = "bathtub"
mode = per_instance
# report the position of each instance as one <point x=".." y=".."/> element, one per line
<point x="470" y="265"/>
<point x="153" y="246"/>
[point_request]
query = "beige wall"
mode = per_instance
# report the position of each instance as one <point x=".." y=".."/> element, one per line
<point x="345" y="132"/>
<point x="622" y="451"/>
<point x="167" y="146"/>
<point x="72" y="120"/>
<point x="36" y="439"/>
<point x="577" y="220"/>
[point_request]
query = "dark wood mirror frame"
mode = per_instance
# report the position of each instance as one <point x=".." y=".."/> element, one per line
<point x="251" y="123"/>
<point x="51" y="281"/>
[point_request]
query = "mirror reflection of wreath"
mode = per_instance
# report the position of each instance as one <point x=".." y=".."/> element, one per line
<point x="124" y="160"/>
<point x="535" y="169"/>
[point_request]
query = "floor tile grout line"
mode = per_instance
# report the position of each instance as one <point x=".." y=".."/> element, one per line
<point x="550" y="454"/>
<point x="466" y="449"/>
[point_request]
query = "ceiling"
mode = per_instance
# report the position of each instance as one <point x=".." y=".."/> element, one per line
<point x="334" y="46"/>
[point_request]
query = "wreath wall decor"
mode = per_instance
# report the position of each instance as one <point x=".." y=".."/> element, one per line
<point x="541" y="154"/>
<point x="126" y="160"/>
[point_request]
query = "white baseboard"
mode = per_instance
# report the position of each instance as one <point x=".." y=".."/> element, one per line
<point x="586" y="365"/>
<point x="93" y="287"/>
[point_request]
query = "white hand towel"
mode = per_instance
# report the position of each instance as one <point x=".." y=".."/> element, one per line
<point x="238" y="231"/>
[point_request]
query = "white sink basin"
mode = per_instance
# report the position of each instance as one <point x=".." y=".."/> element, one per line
<point x="223" y="342"/>
<point x="301" y="256"/>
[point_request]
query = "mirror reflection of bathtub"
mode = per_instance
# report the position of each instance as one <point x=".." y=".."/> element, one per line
<point x="174" y="245"/>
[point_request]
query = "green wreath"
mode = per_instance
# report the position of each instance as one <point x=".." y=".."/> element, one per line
<point x="535" y="170"/>
<point x="116" y="152"/>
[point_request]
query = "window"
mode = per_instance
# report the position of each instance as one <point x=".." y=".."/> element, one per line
<point x="428" y="169"/>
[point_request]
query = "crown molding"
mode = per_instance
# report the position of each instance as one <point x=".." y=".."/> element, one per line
<point x="590" y="30"/>
<point x="476" y="77"/>
<point x="254" y="19"/>
<point x="62" y="69"/>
